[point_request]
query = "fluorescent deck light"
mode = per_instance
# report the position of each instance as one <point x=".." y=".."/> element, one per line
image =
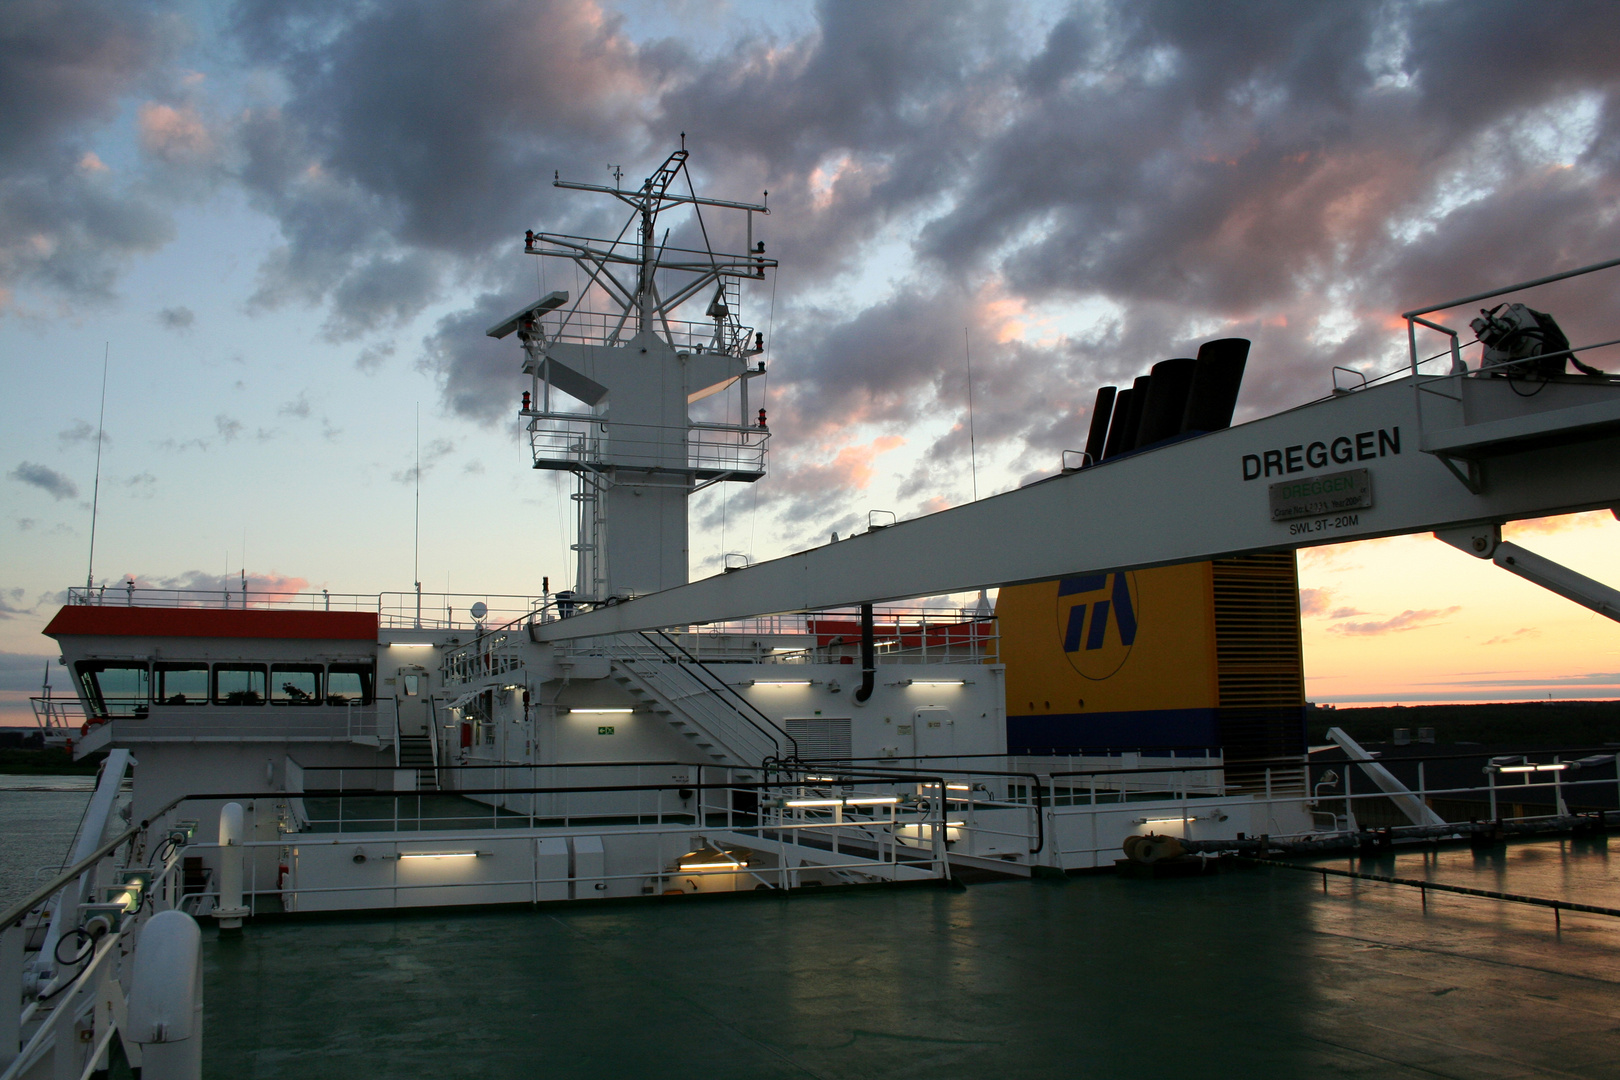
<point x="438" y="854"/>
<point x="410" y="644"/>
<point x="936" y="682"/>
<point x="874" y="800"/>
<point x="781" y="682"/>
<point x="1560" y="767"/>
<point x="601" y="712"/>
<point x="714" y="866"/>
<point x="949" y="787"/>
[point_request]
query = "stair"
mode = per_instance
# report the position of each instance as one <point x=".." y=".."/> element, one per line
<point x="675" y="693"/>
<point x="416" y="752"/>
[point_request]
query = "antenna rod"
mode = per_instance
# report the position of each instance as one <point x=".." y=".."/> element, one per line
<point x="417" y="567"/>
<point x="95" y="498"/>
<point x="973" y="443"/>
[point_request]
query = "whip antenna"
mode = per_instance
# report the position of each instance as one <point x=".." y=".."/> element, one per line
<point x="973" y="443"/>
<point x="95" y="497"/>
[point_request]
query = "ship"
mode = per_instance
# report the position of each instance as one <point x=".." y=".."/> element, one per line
<point x="802" y="724"/>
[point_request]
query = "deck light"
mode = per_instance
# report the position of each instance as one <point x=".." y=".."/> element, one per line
<point x="779" y="682"/>
<point x="1560" y="767"/>
<point x="601" y="712"/>
<point x="440" y="854"/>
<point x="410" y="644"/>
<point x="714" y="866"/>
<point x="933" y="682"/>
<point x="872" y="800"/>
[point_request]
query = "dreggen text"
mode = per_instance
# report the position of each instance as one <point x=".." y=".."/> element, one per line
<point x="1362" y="446"/>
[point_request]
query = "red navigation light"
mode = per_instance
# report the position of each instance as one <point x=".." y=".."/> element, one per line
<point x="762" y="418"/>
<point x="525" y="401"/>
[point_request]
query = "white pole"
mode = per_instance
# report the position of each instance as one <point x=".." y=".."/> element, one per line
<point x="231" y="833"/>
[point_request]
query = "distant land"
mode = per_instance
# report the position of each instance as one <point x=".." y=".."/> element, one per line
<point x="1525" y="723"/>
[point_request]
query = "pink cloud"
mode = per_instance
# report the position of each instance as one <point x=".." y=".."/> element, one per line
<point x="174" y="134"/>
<point x="1314" y="601"/>
<point x="1406" y="620"/>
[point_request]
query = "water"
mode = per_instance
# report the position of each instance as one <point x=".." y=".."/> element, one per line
<point x="38" y="817"/>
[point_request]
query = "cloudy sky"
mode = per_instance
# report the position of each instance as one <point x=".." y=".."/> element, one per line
<point x="285" y="226"/>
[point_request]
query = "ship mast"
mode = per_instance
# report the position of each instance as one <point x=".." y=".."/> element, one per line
<point x="614" y="372"/>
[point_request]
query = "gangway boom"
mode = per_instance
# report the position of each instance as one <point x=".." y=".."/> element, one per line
<point x="1456" y="454"/>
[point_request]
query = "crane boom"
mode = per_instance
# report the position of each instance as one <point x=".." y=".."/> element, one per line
<point x="1417" y="454"/>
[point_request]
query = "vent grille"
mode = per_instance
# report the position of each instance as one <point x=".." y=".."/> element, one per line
<point x="822" y="738"/>
<point x="1259" y="668"/>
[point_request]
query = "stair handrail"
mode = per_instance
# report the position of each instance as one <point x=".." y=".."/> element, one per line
<point x="652" y="652"/>
<point x="726" y="688"/>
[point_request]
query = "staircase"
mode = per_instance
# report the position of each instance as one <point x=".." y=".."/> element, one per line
<point x="694" y="702"/>
<point x="416" y="752"/>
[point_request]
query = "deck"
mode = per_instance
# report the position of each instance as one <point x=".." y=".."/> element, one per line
<point x="1251" y="973"/>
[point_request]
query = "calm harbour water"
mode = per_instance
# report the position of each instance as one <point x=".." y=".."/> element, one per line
<point x="38" y="817"/>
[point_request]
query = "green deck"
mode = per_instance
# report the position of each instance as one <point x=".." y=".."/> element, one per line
<point x="1253" y="974"/>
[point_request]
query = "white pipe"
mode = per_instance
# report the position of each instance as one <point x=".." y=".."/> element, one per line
<point x="231" y="833"/>
<point x="166" y="996"/>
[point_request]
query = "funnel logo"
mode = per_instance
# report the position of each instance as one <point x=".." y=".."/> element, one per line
<point x="1096" y="619"/>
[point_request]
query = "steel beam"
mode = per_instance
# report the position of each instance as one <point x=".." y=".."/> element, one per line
<point x="1201" y="498"/>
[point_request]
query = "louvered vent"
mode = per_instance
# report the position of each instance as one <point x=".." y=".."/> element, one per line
<point x="1259" y="668"/>
<point x="821" y="738"/>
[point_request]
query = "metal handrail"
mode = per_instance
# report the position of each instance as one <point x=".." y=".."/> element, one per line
<point x="1511" y="288"/>
<point x="726" y="687"/>
<point x="17" y="912"/>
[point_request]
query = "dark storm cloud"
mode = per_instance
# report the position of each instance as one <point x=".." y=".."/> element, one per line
<point x="45" y="478"/>
<point x="65" y="221"/>
<point x="1292" y="173"/>
<point x="416" y="135"/>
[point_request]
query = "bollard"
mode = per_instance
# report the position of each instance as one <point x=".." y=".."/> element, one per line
<point x="230" y="909"/>
<point x="166" y="997"/>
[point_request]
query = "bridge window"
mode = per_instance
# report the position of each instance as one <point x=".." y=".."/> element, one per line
<point x="115" y="689"/>
<point x="239" y="684"/>
<point x="350" y="684"/>
<point x="180" y="683"/>
<point x="295" y="684"/>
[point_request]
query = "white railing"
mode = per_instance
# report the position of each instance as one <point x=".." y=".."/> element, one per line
<point x="72" y="991"/>
<point x="58" y="713"/>
<point x="565" y="440"/>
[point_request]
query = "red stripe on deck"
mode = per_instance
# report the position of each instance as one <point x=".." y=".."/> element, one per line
<point x="80" y="619"/>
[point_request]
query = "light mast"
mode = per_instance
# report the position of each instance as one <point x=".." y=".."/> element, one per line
<point x="613" y="375"/>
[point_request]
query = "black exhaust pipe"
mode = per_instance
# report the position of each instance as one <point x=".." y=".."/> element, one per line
<point x="1215" y="384"/>
<point x="868" y="656"/>
<point x="1166" y="402"/>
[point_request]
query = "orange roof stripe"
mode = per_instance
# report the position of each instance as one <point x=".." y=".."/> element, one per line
<point x="85" y="620"/>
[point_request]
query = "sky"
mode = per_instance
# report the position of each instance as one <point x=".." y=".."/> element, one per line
<point x="285" y="226"/>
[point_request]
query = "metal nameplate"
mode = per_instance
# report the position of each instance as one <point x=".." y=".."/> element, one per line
<point x="1326" y="494"/>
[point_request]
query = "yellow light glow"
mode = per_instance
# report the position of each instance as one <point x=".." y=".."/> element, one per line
<point x="410" y="644"/>
<point x="938" y="682"/>
<point x="438" y="855"/>
<point x="781" y="682"/>
<point x="714" y="866"/>
<point x="600" y="712"/>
